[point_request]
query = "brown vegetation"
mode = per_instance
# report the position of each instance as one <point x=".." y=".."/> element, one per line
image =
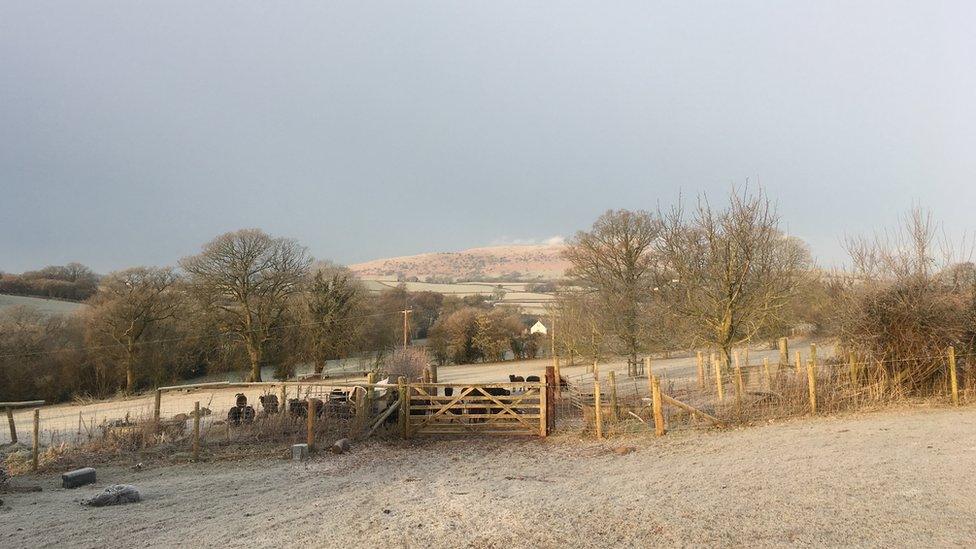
<point x="73" y="282"/>
<point x="908" y="300"/>
<point x="641" y="282"/>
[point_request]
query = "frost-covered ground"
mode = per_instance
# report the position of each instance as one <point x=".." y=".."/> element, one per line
<point x="897" y="478"/>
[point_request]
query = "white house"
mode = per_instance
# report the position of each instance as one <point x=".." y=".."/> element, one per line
<point x="538" y="328"/>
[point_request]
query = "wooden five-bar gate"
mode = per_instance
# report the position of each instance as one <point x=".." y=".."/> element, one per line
<point x="520" y="408"/>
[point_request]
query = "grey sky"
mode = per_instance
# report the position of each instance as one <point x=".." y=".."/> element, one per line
<point x="133" y="132"/>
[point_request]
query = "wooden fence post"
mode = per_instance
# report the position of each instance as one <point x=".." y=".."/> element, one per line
<point x="544" y="392"/>
<point x="559" y="377"/>
<point x="360" y="409"/>
<point x="13" y="426"/>
<point x="659" y="428"/>
<point x="812" y="385"/>
<point x="597" y="405"/>
<point x="157" y="404"/>
<point x="368" y="398"/>
<point x="813" y="354"/>
<point x="799" y="367"/>
<point x="738" y="385"/>
<point x="36" y="440"/>
<point x="647" y="366"/>
<point x="766" y="374"/>
<point x="701" y="369"/>
<point x="952" y="376"/>
<point x="404" y="393"/>
<point x="718" y="381"/>
<point x="552" y="382"/>
<point x="612" y="381"/>
<point x="784" y="352"/>
<point x="310" y="413"/>
<point x="196" y="431"/>
<point x="433" y="373"/>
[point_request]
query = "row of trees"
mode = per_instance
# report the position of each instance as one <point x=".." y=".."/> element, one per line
<point x="640" y="282"/>
<point x="728" y="276"/>
<point x="481" y="333"/>
<point x="644" y="281"/>
<point x="247" y="299"/>
<point x="73" y="281"/>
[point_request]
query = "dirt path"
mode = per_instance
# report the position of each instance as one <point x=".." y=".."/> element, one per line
<point x="888" y="479"/>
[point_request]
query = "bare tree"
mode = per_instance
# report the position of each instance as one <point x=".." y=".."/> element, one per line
<point x="732" y="272"/>
<point x="579" y="323"/>
<point x="913" y="294"/>
<point x="333" y="310"/>
<point x="251" y="279"/>
<point x="127" y="306"/>
<point x="616" y="259"/>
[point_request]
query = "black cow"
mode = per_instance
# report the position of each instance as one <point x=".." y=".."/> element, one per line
<point x="269" y="403"/>
<point x="492" y="408"/>
<point x="240" y="412"/>
<point x="298" y="407"/>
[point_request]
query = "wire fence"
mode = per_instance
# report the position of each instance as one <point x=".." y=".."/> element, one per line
<point x="201" y="420"/>
<point x="748" y="392"/>
<point x="214" y="417"/>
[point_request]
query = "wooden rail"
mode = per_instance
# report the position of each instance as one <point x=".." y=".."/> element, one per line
<point x="513" y="408"/>
<point x="22" y="404"/>
<point x="9" y="408"/>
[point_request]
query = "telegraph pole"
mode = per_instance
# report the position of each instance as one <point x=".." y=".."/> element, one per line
<point x="406" y="327"/>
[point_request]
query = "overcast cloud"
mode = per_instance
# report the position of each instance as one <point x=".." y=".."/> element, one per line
<point x="133" y="132"/>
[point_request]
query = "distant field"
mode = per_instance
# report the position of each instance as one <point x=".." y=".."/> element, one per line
<point x="533" y="303"/>
<point x="46" y="306"/>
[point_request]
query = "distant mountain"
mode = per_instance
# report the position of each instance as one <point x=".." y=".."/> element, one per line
<point x="510" y="262"/>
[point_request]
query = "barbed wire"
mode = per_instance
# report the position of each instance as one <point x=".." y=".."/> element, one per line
<point x="842" y="362"/>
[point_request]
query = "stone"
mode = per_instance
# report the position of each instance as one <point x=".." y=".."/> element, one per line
<point x="78" y="477"/>
<point x="299" y="452"/>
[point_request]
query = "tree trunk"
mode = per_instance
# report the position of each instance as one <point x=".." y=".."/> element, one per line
<point x="130" y="374"/>
<point x="319" y="366"/>
<point x="725" y="336"/>
<point x="726" y="349"/>
<point x="254" y="354"/>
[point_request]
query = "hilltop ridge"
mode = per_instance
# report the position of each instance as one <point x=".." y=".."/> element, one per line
<point x="514" y="262"/>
